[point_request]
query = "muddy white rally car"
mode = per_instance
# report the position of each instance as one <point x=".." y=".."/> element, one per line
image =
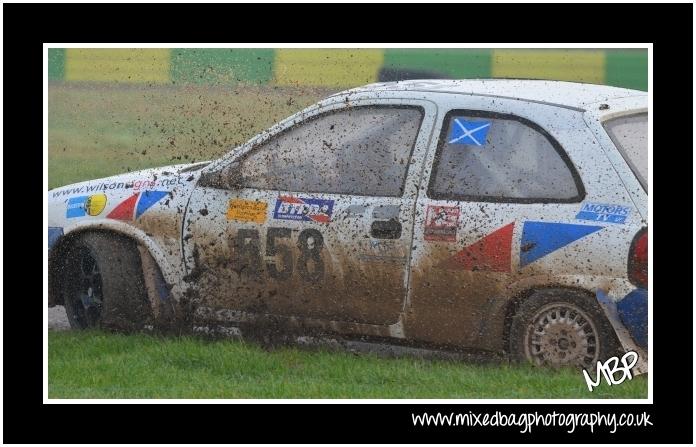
<point x="501" y="216"/>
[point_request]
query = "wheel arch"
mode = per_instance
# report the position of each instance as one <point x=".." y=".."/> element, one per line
<point x="146" y="246"/>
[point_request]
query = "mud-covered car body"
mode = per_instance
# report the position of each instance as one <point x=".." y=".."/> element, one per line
<point x="422" y="212"/>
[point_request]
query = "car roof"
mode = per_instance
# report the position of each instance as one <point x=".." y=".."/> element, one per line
<point x="567" y="94"/>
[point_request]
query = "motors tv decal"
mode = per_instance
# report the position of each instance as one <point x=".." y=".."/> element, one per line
<point x="604" y="213"/>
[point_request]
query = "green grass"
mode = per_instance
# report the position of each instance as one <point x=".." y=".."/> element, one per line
<point x="102" y="365"/>
<point x="97" y="130"/>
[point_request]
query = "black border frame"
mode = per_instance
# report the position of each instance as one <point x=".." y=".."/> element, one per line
<point x="27" y="26"/>
<point x="508" y="117"/>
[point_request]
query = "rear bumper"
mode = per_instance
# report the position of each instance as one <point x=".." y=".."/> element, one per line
<point x="629" y="318"/>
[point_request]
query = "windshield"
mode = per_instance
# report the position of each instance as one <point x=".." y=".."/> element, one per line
<point x="630" y="135"/>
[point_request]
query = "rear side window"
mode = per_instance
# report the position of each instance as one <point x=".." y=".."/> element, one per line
<point x="630" y="135"/>
<point x="490" y="157"/>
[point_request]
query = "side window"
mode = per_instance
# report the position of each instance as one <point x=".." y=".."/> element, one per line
<point x="630" y="135"/>
<point x="492" y="157"/>
<point x="359" y="151"/>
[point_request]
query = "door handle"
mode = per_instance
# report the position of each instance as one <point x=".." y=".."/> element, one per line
<point x="386" y="229"/>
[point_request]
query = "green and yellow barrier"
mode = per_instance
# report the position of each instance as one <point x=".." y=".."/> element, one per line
<point x="343" y="68"/>
<point x="578" y="65"/>
<point x="118" y="65"/>
<point x="327" y="67"/>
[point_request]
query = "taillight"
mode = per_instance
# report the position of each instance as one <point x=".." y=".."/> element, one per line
<point x="638" y="259"/>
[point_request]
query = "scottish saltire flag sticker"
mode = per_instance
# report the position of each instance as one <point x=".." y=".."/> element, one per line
<point x="464" y="131"/>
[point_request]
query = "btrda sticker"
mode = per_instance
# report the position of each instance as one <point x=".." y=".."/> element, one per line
<point x="303" y="208"/>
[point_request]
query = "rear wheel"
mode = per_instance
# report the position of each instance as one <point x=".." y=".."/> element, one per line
<point x="559" y="327"/>
<point x="103" y="284"/>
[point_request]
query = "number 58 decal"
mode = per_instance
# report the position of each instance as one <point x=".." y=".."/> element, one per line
<point x="246" y="254"/>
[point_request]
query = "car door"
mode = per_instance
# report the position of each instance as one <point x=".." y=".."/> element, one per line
<point x="500" y="212"/>
<point x="315" y="220"/>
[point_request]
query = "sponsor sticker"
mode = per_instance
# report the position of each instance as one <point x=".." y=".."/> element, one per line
<point x="303" y="208"/>
<point x="85" y="206"/>
<point x="144" y="201"/>
<point x="464" y="131"/>
<point x="600" y="212"/>
<point x="441" y="223"/>
<point x="247" y="211"/>
<point x="136" y="185"/>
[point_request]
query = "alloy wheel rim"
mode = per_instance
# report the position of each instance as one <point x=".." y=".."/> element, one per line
<point x="88" y="297"/>
<point x="562" y="334"/>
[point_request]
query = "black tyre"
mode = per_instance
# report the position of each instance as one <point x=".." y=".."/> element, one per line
<point x="560" y="327"/>
<point x="103" y="284"/>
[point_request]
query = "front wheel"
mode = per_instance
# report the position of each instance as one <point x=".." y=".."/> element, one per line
<point x="103" y="284"/>
<point x="559" y="327"/>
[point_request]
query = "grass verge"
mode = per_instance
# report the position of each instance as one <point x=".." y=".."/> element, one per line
<point x="104" y="365"/>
